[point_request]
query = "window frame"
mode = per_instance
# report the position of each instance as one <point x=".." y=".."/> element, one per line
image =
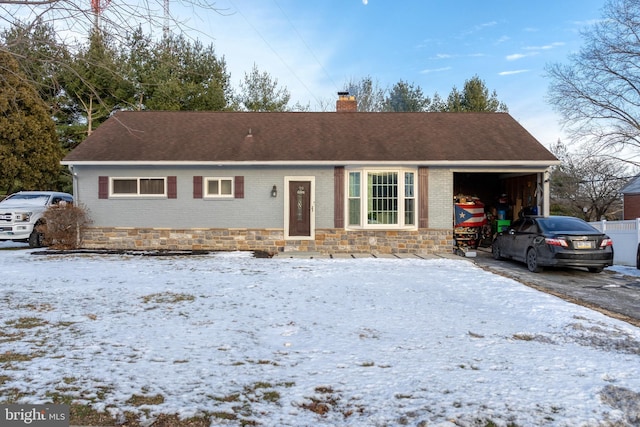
<point x="353" y="199"/>
<point x="205" y="187"/>
<point x="365" y="194"/>
<point x="138" y="194"/>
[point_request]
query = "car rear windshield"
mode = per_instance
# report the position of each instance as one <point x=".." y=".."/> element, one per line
<point x="26" y="200"/>
<point x="567" y="224"/>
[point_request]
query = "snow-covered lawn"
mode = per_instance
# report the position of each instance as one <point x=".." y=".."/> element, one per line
<point x="308" y="342"/>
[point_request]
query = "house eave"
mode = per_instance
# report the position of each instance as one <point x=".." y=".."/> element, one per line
<point x="538" y="164"/>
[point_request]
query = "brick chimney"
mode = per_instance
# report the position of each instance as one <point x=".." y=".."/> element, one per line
<point x="346" y="103"/>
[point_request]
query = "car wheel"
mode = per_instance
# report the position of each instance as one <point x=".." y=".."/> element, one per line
<point x="495" y="251"/>
<point x="595" y="269"/>
<point x="532" y="261"/>
<point x="36" y="240"/>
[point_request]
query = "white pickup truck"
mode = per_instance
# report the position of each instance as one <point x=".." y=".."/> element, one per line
<point x="21" y="213"/>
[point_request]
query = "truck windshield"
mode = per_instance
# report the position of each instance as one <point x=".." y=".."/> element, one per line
<point x="26" y="200"/>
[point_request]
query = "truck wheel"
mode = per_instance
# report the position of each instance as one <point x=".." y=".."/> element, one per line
<point x="36" y="239"/>
<point x="638" y="258"/>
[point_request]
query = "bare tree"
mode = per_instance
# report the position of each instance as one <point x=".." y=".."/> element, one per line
<point x="586" y="185"/>
<point x="79" y="16"/>
<point x="368" y="93"/>
<point x="598" y="92"/>
<point x="72" y="21"/>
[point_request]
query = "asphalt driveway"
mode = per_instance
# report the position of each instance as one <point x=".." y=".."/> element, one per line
<point x="614" y="294"/>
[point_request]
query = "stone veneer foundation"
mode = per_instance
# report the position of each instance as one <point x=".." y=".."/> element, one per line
<point x="271" y="241"/>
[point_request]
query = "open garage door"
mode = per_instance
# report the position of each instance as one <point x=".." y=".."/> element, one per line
<point x="523" y="191"/>
<point x="503" y="196"/>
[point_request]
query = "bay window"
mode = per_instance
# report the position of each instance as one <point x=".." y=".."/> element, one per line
<point x="381" y="198"/>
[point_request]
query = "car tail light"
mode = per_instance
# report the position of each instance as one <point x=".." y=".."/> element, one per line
<point x="556" y="242"/>
<point x="606" y="242"/>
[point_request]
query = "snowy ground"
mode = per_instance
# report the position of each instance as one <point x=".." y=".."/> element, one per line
<point x="301" y="342"/>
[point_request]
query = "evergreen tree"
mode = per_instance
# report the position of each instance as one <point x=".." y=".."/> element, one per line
<point x="474" y="97"/>
<point x="95" y="83"/>
<point x="259" y="92"/>
<point x="406" y="97"/>
<point x="30" y="153"/>
<point x="43" y="61"/>
<point x="40" y="57"/>
<point x="179" y="75"/>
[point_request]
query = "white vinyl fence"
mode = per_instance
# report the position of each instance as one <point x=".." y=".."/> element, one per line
<point x="626" y="239"/>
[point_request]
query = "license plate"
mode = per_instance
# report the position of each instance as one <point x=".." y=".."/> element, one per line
<point x="583" y="245"/>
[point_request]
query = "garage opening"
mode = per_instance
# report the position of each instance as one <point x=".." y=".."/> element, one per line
<point x="486" y="203"/>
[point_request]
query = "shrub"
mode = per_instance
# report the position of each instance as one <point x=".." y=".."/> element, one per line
<point x="62" y="225"/>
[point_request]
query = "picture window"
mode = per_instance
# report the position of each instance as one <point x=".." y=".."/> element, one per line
<point x="138" y="187"/>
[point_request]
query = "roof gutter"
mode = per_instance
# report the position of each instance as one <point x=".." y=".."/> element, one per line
<point x="438" y="163"/>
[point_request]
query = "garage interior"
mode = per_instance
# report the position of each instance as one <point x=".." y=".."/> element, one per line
<point x="475" y="192"/>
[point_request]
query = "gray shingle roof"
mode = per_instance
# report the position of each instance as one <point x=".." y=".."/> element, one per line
<point x="632" y="187"/>
<point x="152" y="136"/>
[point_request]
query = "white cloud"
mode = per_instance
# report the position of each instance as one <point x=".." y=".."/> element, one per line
<point x="516" y="56"/>
<point x="450" y="55"/>
<point x="486" y="24"/>
<point x="478" y="27"/>
<point x="545" y="47"/>
<point x="508" y="73"/>
<point x="434" y="70"/>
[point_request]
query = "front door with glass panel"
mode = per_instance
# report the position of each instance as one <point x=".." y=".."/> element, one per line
<point x="300" y="209"/>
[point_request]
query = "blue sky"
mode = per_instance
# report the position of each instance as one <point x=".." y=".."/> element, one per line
<point x="314" y="47"/>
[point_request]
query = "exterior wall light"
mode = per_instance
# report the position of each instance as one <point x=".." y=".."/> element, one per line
<point x="274" y="191"/>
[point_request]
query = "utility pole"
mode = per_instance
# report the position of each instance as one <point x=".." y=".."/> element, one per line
<point x="97" y="7"/>
<point x="166" y="18"/>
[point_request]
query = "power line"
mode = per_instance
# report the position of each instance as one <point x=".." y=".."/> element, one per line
<point x="306" y="45"/>
<point x="274" y="50"/>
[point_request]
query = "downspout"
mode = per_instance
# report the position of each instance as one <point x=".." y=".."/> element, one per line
<point x="74" y="182"/>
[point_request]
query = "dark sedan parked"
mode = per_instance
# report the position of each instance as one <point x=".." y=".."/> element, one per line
<point x="554" y="241"/>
